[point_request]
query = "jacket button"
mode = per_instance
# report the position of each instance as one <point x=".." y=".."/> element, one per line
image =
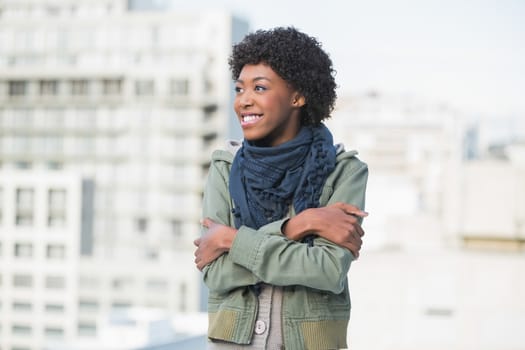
<point x="260" y="327"/>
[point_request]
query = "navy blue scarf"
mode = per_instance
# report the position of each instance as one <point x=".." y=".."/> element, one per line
<point x="265" y="181"/>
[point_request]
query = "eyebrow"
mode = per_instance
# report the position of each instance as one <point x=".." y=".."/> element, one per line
<point x="254" y="79"/>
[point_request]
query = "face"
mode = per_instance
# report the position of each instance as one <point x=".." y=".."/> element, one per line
<point x="267" y="107"/>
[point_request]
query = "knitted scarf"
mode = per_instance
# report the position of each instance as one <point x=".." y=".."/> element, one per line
<point x="265" y="181"/>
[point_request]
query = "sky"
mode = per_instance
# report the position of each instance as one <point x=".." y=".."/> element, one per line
<point x="469" y="55"/>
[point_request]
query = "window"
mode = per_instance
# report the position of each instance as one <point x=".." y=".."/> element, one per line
<point x="55" y="252"/>
<point x="180" y="87"/>
<point x="209" y="87"/>
<point x="52" y="10"/>
<point x="55" y="282"/>
<point x="50" y="144"/>
<point x="24" y="206"/>
<point x="48" y="87"/>
<point x="157" y="304"/>
<point x="79" y="87"/>
<point x="11" y="60"/>
<point x="22" y="144"/>
<point x="1" y="209"/>
<point x="141" y="224"/>
<point x="122" y="283"/>
<point x="157" y="284"/>
<point x="21" y="329"/>
<point x="88" y="305"/>
<point x="209" y="138"/>
<point x="23" y="165"/>
<point x="53" y="332"/>
<point x="144" y="87"/>
<point x="182" y="297"/>
<point x="55" y="165"/>
<point x="17" y="87"/>
<point x="57" y="199"/>
<point x="23" y="250"/>
<point x="52" y="118"/>
<point x="22" y="306"/>
<point x="111" y="86"/>
<point x="152" y="254"/>
<point x="21" y="117"/>
<point x="23" y="281"/>
<point x="209" y="111"/>
<point x="85" y="117"/>
<point x="176" y="228"/>
<point x="54" y="308"/>
<point x="87" y="329"/>
<point x="119" y="305"/>
<point x="57" y="207"/>
<point x="88" y="282"/>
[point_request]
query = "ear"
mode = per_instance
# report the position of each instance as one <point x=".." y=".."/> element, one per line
<point x="298" y="100"/>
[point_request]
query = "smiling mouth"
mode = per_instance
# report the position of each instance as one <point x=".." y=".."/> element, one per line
<point x="250" y="119"/>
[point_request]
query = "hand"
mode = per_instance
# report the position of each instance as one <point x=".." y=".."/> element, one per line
<point x="340" y="225"/>
<point x="337" y="223"/>
<point x="215" y="242"/>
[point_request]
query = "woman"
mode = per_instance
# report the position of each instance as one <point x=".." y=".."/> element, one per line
<point x="282" y="210"/>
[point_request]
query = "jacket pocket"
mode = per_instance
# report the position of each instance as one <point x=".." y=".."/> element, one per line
<point x="327" y="304"/>
<point x="231" y="316"/>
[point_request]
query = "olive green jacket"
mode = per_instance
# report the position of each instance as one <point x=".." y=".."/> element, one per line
<point x="316" y="302"/>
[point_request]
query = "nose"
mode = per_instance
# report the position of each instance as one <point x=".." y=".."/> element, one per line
<point x="245" y="99"/>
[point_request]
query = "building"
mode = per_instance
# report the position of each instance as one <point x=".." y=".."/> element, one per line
<point x="132" y="100"/>
<point x="414" y="150"/>
<point x="144" y="329"/>
<point x="44" y="223"/>
<point x="443" y="256"/>
<point x="493" y="197"/>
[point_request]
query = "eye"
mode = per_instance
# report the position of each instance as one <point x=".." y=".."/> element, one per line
<point x="260" y="88"/>
<point x="238" y="89"/>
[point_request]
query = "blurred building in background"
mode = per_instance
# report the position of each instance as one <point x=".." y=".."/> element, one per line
<point x="109" y="111"/>
<point x="414" y="149"/>
<point x="433" y="171"/>
<point x="444" y="250"/>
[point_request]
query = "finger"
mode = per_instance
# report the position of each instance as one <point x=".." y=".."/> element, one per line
<point x="357" y="239"/>
<point x="360" y="230"/>
<point x="340" y="205"/>
<point x="207" y="222"/>
<point x="201" y="265"/>
<point x="353" y="210"/>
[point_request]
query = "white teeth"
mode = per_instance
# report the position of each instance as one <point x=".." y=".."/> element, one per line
<point x="250" y="118"/>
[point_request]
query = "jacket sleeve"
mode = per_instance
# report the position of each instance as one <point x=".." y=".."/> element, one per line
<point x="276" y="260"/>
<point x="222" y="275"/>
<point x="266" y="255"/>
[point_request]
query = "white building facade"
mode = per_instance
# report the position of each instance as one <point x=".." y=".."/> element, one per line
<point x="41" y="229"/>
<point x="135" y="101"/>
<point x="444" y="250"/>
<point x="414" y="151"/>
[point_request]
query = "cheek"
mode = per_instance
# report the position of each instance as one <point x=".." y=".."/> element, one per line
<point x="236" y="104"/>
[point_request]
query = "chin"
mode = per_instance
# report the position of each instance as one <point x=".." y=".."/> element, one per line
<point x="249" y="136"/>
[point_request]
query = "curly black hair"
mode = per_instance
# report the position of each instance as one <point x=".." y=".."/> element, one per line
<point x="299" y="60"/>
